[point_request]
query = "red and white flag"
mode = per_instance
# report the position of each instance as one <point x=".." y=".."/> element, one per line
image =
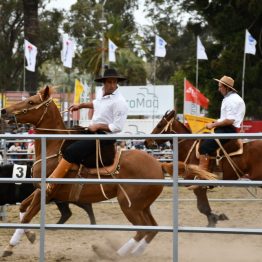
<point x="193" y="99"/>
<point x="30" y="55"/>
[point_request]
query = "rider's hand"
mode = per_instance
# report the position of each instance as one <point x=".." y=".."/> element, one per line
<point x="210" y="125"/>
<point x="74" y="108"/>
<point x="93" y="128"/>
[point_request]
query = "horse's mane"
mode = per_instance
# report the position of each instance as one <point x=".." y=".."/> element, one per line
<point x="185" y="128"/>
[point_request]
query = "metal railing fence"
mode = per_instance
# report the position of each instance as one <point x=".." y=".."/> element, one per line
<point x="175" y="183"/>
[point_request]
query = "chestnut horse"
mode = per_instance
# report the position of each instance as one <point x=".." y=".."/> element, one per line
<point x="41" y="111"/>
<point x="250" y="162"/>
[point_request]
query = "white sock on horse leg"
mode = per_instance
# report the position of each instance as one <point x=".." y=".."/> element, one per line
<point x="21" y="216"/>
<point x="140" y="248"/>
<point x="16" y="236"/>
<point x="125" y="249"/>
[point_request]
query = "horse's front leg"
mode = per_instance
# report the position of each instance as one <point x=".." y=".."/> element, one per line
<point x="16" y="237"/>
<point x="204" y="207"/>
<point x="33" y="208"/>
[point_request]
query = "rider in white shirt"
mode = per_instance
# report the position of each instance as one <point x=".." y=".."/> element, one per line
<point x="110" y="113"/>
<point x="231" y="116"/>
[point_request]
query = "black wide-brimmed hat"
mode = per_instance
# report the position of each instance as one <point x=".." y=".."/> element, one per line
<point x="110" y="73"/>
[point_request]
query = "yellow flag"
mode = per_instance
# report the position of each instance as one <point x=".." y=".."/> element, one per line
<point x="79" y="88"/>
<point x="197" y="123"/>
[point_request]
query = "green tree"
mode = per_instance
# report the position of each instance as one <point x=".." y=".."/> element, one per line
<point x="40" y="29"/>
<point x="31" y="33"/>
<point x="119" y="28"/>
<point x="11" y="58"/>
<point x="223" y="23"/>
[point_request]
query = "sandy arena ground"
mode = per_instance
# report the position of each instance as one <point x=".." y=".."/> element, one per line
<point x="92" y="246"/>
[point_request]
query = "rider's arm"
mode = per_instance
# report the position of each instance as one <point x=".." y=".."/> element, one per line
<point x="82" y="105"/>
<point x="225" y="122"/>
<point x="99" y="127"/>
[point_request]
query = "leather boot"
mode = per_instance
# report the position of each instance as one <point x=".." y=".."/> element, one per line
<point x="204" y="162"/>
<point x="59" y="172"/>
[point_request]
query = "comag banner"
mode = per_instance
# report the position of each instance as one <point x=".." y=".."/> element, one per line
<point x="197" y="123"/>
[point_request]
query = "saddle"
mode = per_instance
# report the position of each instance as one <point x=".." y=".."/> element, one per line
<point x="84" y="172"/>
<point x="108" y="170"/>
<point x="108" y="165"/>
<point x="233" y="147"/>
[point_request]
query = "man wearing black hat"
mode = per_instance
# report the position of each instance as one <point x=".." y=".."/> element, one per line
<point x="110" y="113"/>
<point x="232" y="113"/>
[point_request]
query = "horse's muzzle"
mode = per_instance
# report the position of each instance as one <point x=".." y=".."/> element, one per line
<point x="3" y="112"/>
<point x="6" y="116"/>
<point x="150" y="144"/>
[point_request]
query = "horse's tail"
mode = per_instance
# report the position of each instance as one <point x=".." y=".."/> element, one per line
<point x="188" y="171"/>
<point x="167" y="168"/>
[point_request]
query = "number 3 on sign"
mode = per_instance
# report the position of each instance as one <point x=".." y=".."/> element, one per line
<point x="19" y="172"/>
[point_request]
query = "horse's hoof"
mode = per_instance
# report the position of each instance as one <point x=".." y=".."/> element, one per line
<point x="8" y="251"/>
<point x="30" y="236"/>
<point x="212" y="220"/>
<point x="223" y="217"/>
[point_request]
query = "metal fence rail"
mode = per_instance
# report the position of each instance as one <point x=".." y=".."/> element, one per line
<point x="175" y="183"/>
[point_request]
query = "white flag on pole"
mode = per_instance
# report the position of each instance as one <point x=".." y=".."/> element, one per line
<point x="30" y="55"/>
<point x="67" y="52"/>
<point x="111" y="51"/>
<point x="201" y="52"/>
<point x="250" y="44"/>
<point x="160" y="49"/>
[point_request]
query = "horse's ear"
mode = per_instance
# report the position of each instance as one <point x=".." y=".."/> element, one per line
<point x="46" y="92"/>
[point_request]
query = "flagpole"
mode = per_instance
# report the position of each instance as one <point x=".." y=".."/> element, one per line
<point x="68" y="99"/>
<point x="197" y="73"/>
<point x="243" y="72"/>
<point x="243" y="79"/>
<point x="184" y="104"/>
<point x="24" y="75"/>
<point x="154" y="87"/>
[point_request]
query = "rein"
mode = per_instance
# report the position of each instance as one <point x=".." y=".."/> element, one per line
<point x="167" y="126"/>
<point x="99" y="157"/>
<point x="60" y="130"/>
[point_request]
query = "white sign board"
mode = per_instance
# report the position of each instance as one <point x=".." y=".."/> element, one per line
<point x="148" y="100"/>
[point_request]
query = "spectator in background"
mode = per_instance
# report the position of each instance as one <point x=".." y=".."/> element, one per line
<point x="14" y="149"/>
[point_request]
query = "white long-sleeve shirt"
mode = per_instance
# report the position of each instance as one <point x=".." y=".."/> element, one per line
<point x="111" y="110"/>
<point x="233" y="107"/>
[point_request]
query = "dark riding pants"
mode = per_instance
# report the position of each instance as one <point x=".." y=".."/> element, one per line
<point x="79" y="151"/>
<point x="209" y="146"/>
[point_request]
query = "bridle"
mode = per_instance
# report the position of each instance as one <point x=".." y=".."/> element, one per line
<point x="168" y="126"/>
<point x="45" y="103"/>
